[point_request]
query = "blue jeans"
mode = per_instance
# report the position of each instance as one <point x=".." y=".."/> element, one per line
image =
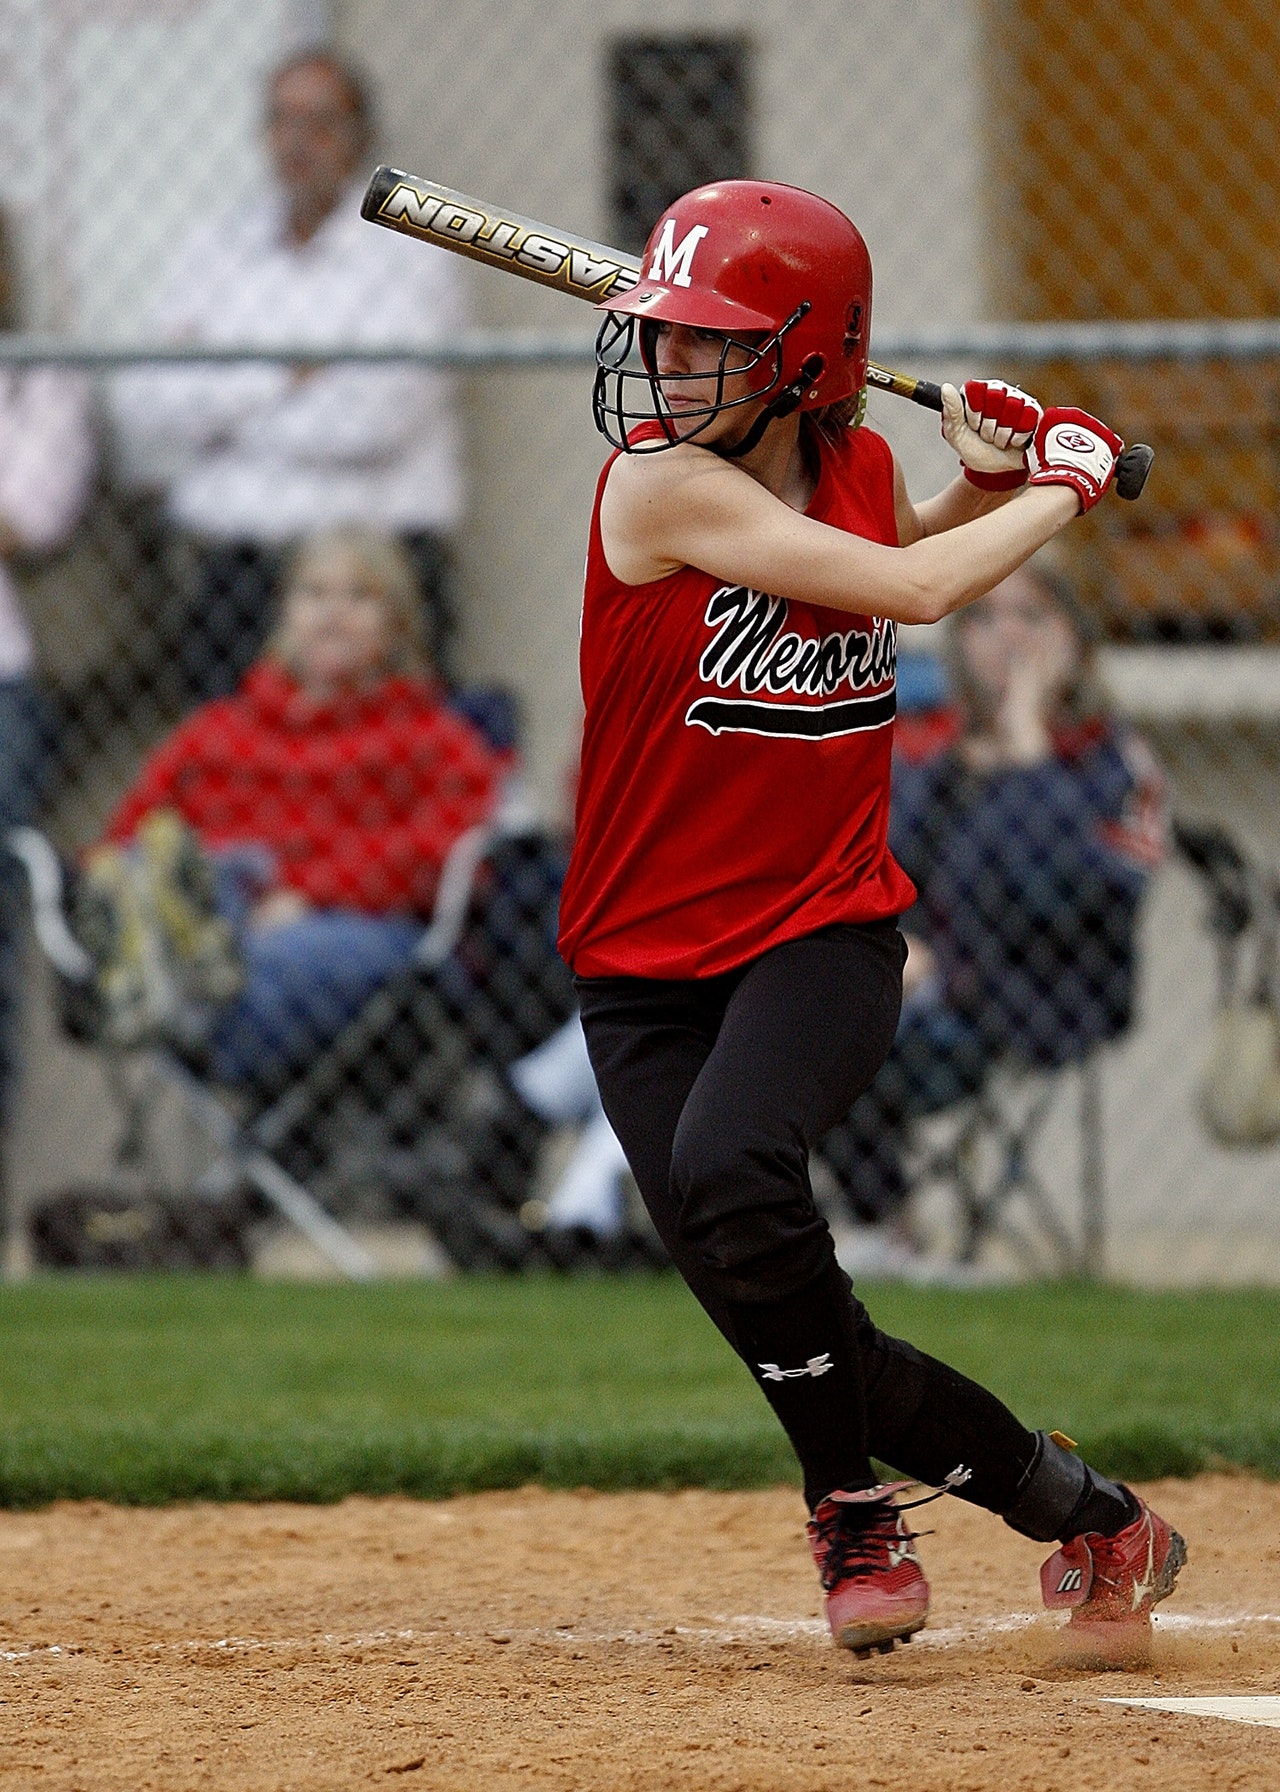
<point x="306" y="979"/>
<point x="24" y="764"/>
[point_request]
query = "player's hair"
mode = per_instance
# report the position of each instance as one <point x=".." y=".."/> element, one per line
<point x="387" y="568"/>
<point x="355" y="83"/>
<point x="830" y="419"/>
<point x="1085" y="699"/>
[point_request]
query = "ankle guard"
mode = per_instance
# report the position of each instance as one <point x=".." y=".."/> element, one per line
<point x="1052" y="1488"/>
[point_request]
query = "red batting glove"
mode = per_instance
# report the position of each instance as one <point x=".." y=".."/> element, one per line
<point x="1072" y="448"/>
<point x="1006" y="417"/>
<point x="989" y="425"/>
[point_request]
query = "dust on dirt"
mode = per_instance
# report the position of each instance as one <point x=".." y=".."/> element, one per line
<point x="577" y="1640"/>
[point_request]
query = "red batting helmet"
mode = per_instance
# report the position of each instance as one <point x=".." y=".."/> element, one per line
<point x="742" y="258"/>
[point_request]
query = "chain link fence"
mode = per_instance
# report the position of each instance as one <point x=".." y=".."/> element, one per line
<point x="208" y="358"/>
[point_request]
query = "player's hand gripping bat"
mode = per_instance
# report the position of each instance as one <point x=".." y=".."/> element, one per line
<point x="587" y="270"/>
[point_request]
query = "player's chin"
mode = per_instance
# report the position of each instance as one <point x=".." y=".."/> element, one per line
<point x="690" y="423"/>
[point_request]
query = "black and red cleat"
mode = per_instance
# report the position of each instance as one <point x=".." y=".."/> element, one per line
<point x="876" y="1593"/>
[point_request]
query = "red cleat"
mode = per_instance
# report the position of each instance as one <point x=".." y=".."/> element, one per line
<point x="1115" y="1580"/>
<point x="870" y="1572"/>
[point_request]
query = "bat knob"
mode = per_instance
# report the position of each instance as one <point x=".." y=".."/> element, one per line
<point x="1132" y="469"/>
<point x="382" y="183"/>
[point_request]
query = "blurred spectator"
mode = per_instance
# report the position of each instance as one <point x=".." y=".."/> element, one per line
<point x="1030" y="826"/>
<point x="46" y="466"/>
<point x="326" y="794"/>
<point x="557" y="1083"/>
<point x="251" y="457"/>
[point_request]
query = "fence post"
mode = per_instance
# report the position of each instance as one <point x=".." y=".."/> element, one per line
<point x="1092" y="1178"/>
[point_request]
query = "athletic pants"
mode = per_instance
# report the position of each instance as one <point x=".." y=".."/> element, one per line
<point x="718" y="1089"/>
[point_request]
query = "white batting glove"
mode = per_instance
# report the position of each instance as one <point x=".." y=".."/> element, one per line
<point x="1072" y="448"/>
<point x="989" y="425"/>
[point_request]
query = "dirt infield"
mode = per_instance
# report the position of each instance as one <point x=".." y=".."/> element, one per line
<point x="589" y="1641"/>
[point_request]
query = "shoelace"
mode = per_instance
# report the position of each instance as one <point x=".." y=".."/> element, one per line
<point x="853" y="1548"/>
<point x="1109" y="1566"/>
<point x="957" y="1479"/>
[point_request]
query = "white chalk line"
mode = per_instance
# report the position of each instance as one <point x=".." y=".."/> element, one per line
<point x="748" y="1628"/>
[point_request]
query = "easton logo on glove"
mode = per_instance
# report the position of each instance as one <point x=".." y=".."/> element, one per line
<point x="1072" y="448"/>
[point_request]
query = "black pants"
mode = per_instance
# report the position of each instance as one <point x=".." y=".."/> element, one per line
<point x="718" y="1089"/>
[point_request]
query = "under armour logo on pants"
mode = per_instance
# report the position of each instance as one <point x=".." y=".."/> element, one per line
<point x="816" y="1366"/>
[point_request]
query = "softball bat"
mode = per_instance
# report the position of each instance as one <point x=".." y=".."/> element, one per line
<point x="588" y="270"/>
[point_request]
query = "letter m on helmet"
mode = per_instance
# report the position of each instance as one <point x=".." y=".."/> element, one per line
<point x="672" y="261"/>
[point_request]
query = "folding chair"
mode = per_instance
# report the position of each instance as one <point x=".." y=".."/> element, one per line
<point x="986" y="1160"/>
<point x="247" y="1138"/>
<point x="1239" y="1095"/>
<point x="1240" y="897"/>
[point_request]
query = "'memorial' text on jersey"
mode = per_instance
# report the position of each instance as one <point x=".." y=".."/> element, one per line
<point x="754" y="650"/>
<point x="734" y="785"/>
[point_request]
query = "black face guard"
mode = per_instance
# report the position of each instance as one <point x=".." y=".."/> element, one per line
<point x="619" y="388"/>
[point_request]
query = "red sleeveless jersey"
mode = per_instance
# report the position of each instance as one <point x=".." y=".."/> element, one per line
<point x="734" y="789"/>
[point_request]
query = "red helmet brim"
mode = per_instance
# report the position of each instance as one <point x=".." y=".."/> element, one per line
<point x="700" y="309"/>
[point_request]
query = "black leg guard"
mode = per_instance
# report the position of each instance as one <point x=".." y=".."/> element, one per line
<point x="1061" y="1497"/>
<point x="928" y="1421"/>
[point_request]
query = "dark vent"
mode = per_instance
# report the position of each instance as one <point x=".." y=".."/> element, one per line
<point x="679" y="116"/>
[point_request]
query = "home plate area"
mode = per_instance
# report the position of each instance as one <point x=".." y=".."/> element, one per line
<point x="578" y="1640"/>
<point x="1240" y="1709"/>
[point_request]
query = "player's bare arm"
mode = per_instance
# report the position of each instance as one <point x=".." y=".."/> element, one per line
<point x="690" y="507"/>
<point x="954" y="505"/>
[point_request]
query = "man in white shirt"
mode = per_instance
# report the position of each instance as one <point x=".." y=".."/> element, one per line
<point x="46" y="467"/>
<point x="255" y="456"/>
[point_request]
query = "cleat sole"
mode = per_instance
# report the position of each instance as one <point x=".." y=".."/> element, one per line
<point x="868" y="1639"/>
<point x="1174" y="1563"/>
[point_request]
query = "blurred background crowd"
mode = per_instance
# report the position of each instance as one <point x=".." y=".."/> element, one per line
<point x="292" y="516"/>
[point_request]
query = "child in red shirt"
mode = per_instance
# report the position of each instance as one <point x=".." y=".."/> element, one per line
<point x="327" y="791"/>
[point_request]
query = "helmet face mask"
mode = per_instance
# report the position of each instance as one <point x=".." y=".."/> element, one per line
<point x="625" y="397"/>
<point x="769" y="270"/>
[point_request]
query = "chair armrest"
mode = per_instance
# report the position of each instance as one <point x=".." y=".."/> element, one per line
<point x="515" y="819"/>
<point x="47" y="883"/>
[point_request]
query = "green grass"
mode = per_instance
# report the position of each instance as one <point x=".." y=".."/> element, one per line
<point x="145" y="1390"/>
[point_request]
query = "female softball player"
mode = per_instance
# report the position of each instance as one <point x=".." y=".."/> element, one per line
<point x="730" y="909"/>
